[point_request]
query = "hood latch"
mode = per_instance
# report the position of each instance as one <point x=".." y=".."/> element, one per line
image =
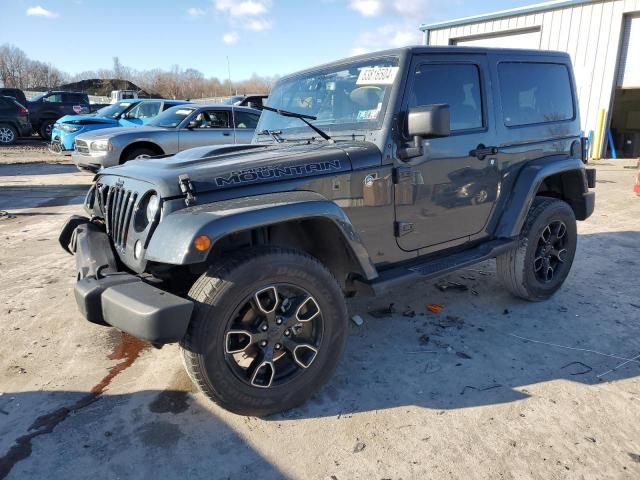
<point x="187" y="188"/>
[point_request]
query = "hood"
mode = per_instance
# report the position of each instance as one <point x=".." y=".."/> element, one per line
<point x="232" y="167"/>
<point x="86" y="120"/>
<point x="112" y="132"/>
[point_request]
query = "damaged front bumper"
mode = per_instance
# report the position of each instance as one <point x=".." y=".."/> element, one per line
<point x="107" y="295"/>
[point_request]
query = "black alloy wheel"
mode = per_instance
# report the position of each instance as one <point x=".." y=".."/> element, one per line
<point x="551" y="253"/>
<point x="274" y="337"/>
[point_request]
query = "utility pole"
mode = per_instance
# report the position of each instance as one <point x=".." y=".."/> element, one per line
<point x="229" y="75"/>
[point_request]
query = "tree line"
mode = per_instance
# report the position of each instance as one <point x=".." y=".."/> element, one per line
<point x="17" y="70"/>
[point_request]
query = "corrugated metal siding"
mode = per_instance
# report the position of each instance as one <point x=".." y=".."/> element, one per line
<point x="591" y="33"/>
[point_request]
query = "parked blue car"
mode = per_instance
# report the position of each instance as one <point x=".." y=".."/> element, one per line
<point x="125" y="113"/>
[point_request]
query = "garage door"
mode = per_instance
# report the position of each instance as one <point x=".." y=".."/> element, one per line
<point x="629" y="69"/>
<point x="528" y="39"/>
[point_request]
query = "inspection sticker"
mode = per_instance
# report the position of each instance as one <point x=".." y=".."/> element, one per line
<point x="377" y="75"/>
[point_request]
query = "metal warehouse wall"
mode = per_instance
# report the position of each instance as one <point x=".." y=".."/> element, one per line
<point x="589" y="32"/>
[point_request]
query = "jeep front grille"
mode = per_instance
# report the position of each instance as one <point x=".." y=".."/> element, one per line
<point x="118" y="212"/>
<point x="82" y="147"/>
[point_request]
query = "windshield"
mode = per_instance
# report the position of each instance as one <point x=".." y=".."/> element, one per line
<point x="37" y="97"/>
<point x="345" y="97"/>
<point x="171" y="117"/>
<point x="232" y="100"/>
<point x="113" y="111"/>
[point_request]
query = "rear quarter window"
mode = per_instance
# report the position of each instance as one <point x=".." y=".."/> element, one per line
<point x="535" y="93"/>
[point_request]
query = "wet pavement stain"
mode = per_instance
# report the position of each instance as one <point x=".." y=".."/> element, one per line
<point x="159" y="434"/>
<point x="170" y="401"/>
<point x="127" y="349"/>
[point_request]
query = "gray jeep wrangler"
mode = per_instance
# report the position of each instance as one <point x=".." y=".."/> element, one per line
<point x="364" y="173"/>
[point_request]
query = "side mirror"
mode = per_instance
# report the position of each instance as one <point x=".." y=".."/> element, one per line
<point x="426" y="121"/>
<point x="251" y="105"/>
<point x="429" y="121"/>
<point x="192" y="124"/>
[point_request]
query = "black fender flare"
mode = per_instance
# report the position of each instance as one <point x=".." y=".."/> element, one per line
<point x="172" y="241"/>
<point x="526" y="186"/>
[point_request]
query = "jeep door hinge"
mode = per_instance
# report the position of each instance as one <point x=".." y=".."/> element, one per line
<point x="187" y="188"/>
<point x="401" y="229"/>
<point x="401" y="174"/>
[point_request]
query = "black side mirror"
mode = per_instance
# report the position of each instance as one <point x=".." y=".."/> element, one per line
<point x="429" y="121"/>
<point x="426" y="121"/>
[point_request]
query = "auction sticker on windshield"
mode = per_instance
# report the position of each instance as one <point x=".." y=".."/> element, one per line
<point x="377" y="75"/>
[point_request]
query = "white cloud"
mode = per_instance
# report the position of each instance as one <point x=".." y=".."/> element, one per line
<point x="41" y="12"/>
<point x="409" y="9"/>
<point x="367" y="8"/>
<point x="387" y="36"/>
<point x="246" y="14"/>
<point x="230" y="38"/>
<point x="195" y="12"/>
<point x="245" y="8"/>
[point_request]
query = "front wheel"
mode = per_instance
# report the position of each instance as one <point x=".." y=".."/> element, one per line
<point x="138" y="153"/>
<point x="8" y="134"/>
<point x="538" y="267"/>
<point x="46" y="128"/>
<point x="269" y="328"/>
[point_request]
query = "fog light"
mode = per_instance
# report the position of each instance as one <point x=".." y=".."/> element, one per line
<point x="137" y="249"/>
<point x="202" y="243"/>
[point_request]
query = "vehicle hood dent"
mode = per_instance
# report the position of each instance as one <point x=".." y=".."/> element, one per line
<point x="231" y="167"/>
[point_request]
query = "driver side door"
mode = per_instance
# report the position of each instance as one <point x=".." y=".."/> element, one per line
<point x="212" y="127"/>
<point x="446" y="195"/>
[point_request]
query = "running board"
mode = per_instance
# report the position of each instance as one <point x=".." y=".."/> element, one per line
<point x="434" y="268"/>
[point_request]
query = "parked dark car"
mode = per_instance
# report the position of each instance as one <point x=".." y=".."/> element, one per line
<point x="15" y="93"/>
<point x="48" y="107"/>
<point x="14" y="120"/>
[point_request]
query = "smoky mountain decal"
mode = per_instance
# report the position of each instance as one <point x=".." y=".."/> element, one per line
<point x="250" y="175"/>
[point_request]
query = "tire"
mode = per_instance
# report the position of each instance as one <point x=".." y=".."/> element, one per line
<point x="219" y="296"/>
<point x="524" y="271"/>
<point x="45" y="129"/>
<point x="138" y="153"/>
<point x="8" y="134"/>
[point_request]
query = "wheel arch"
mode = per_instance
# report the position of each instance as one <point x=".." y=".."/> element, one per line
<point x="554" y="176"/>
<point x="140" y="144"/>
<point x="302" y="220"/>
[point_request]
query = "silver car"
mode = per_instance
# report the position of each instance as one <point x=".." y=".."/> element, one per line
<point x="176" y="129"/>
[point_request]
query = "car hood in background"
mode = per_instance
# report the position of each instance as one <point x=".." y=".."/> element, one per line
<point x="86" y="120"/>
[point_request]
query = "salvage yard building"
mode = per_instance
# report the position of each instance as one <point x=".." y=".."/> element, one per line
<point x="603" y="39"/>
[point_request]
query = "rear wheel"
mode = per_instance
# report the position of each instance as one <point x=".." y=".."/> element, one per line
<point x="269" y="328"/>
<point x="137" y="153"/>
<point x="8" y="134"/>
<point x="538" y="267"/>
<point x="46" y="128"/>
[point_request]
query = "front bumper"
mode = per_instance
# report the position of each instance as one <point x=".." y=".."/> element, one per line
<point x="92" y="161"/>
<point x="109" y="296"/>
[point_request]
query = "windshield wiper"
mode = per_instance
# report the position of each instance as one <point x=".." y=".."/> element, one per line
<point x="275" y="134"/>
<point x="305" y="118"/>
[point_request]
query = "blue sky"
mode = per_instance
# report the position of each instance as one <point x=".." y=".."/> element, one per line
<point x="266" y="37"/>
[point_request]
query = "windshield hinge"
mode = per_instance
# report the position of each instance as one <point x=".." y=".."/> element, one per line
<point x="401" y="229"/>
<point x="187" y="188"/>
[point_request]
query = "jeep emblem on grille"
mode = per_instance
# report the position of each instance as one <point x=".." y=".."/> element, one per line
<point x="120" y="183"/>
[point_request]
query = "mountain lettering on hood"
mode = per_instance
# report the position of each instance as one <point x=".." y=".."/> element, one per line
<point x="263" y="173"/>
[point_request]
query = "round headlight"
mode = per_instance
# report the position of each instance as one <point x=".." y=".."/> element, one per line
<point x="152" y="207"/>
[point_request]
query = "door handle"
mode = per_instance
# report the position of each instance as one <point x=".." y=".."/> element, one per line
<point x="481" y="152"/>
<point x="226" y="134"/>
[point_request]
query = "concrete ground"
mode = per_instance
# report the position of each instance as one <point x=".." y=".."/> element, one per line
<point x="491" y="387"/>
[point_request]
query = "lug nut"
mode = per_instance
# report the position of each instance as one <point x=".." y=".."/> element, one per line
<point x="264" y="328"/>
<point x="277" y="346"/>
<point x="278" y="320"/>
<point x="287" y="332"/>
<point x="263" y="343"/>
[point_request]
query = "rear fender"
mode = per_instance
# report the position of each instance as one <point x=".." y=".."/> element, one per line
<point x="172" y="241"/>
<point x="527" y="185"/>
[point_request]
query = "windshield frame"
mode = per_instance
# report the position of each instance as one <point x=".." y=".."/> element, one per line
<point x="353" y="129"/>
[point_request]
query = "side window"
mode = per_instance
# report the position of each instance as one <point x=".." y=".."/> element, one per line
<point x="213" y="119"/>
<point x="246" y="119"/>
<point x="168" y="105"/>
<point x="457" y="85"/>
<point x="535" y="93"/>
<point x="53" y="98"/>
<point x="73" y="98"/>
<point x="144" y="110"/>
<point x="4" y="104"/>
